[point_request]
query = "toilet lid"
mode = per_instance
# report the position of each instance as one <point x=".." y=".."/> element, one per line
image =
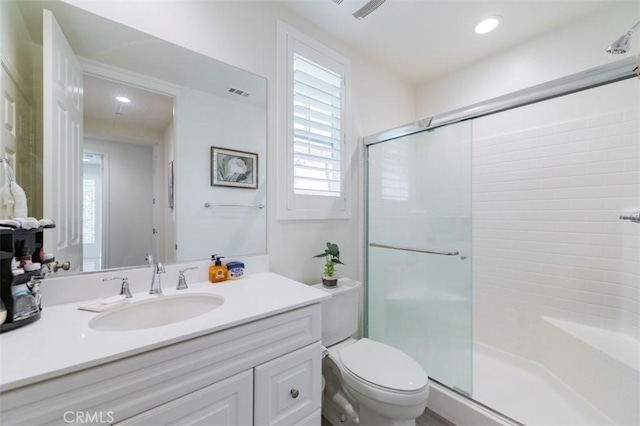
<point x="383" y="365"/>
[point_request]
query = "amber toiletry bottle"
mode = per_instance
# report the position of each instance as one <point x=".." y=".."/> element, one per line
<point x="218" y="272"/>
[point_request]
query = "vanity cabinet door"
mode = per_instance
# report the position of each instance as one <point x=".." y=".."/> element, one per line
<point x="229" y="402"/>
<point x="287" y="389"/>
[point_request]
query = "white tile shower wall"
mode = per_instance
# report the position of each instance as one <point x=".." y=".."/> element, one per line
<point x="546" y="231"/>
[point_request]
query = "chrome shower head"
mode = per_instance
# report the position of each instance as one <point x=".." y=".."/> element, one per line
<point x="623" y="43"/>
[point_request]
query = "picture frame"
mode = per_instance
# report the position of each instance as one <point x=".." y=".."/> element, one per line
<point x="170" y="183"/>
<point x="233" y="168"/>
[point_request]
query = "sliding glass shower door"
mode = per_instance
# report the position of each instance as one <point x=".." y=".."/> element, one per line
<point x="419" y="250"/>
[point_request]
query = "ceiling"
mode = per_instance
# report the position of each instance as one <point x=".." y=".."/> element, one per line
<point x="148" y="111"/>
<point x="425" y="39"/>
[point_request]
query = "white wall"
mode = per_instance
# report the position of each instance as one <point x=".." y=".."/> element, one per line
<point x="226" y="231"/>
<point x="131" y="133"/>
<point x="568" y="50"/>
<point x="129" y="200"/>
<point x="244" y="34"/>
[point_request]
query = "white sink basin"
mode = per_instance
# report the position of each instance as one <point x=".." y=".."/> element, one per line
<point x="156" y="312"/>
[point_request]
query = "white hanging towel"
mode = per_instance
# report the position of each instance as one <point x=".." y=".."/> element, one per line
<point x="13" y="200"/>
<point x="20" y="198"/>
<point x="6" y="202"/>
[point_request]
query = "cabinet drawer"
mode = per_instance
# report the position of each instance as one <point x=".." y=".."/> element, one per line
<point x="287" y="389"/>
<point x="228" y="402"/>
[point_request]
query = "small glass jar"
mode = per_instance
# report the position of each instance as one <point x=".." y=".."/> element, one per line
<point x="25" y="304"/>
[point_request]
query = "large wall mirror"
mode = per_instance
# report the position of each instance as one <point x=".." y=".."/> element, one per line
<point x="132" y="171"/>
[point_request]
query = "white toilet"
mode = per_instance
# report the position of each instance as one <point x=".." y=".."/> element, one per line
<point x="366" y="382"/>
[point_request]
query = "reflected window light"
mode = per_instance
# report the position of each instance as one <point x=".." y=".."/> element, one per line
<point x="395" y="176"/>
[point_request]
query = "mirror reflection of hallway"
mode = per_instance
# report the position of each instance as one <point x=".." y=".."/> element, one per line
<point x="131" y="141"/>
<point x="92" y="212"/>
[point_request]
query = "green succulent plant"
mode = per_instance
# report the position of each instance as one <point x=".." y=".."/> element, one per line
<point x="332" y="258"/>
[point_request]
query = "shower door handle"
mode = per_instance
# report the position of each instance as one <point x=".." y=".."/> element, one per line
<point x="441" y="253"/>
<point x="633" y="217"/>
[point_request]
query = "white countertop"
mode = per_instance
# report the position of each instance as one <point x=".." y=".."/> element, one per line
<point x="62" y="342"/>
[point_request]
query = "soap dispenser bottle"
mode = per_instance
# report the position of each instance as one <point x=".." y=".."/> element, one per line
<point x="218" y="272"/>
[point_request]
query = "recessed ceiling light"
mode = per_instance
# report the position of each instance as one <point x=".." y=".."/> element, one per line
<point x="487" y="25"/>
<point x="123" y="99"/>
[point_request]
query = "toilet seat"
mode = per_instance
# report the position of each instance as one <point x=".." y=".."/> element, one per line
<point x="382" y="373"/>
<point x="383" y="366"/>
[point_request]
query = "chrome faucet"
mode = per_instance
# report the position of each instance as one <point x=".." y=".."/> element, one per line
<point x="182" y="281"/>
<point x="158" y="269"/>
<point x="124" y="287"/>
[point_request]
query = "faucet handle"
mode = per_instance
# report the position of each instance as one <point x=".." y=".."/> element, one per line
<point x="124" y="288"/>
<point x="182" y="282"/>
<point x="160" y="268"/>
<point x="149" y="258"/>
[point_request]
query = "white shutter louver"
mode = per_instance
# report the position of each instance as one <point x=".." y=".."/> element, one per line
<point x="317" y="129"/>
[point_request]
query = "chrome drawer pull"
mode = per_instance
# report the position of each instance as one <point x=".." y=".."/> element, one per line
<point x="294" y="393"/>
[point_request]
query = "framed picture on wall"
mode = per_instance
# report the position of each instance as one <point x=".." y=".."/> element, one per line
<point x="233" y="168"/>
<point x="170" y="183"/>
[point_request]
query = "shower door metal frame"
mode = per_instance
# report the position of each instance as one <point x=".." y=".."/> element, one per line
<point x="573" y="83"/>
<point x="584" y="80"/>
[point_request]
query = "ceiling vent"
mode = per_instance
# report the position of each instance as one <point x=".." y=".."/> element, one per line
<point x="368" y="8"/>
<point x="337" y="1"/>
<point x="238" y="92"/>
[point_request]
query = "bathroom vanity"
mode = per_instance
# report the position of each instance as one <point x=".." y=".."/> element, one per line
<point x="256" y="359"/>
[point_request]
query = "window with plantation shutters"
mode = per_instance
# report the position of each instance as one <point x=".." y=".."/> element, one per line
<point x="312" y="118"/>
<point x="317" y="129"/>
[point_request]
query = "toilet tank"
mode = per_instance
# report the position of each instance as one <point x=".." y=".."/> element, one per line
<point x="340" y="313"/>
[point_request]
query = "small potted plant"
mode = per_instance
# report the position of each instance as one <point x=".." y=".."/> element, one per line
<point x="332" y="258"/>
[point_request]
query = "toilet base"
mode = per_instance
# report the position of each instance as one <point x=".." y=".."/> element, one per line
<point x="331" y="411"/>
<point x="333" y="415"/>
<point x="337" y="406"/>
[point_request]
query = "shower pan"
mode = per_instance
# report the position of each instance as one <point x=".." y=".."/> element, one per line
<point x="502" y="251"/>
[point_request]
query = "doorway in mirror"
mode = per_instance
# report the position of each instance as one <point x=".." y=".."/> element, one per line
<point x="92" y="211"/>
<point x="132" y="140"/>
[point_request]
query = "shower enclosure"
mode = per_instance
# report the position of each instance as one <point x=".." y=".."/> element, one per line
<point x="419" y="249"/>
<point x="498" y="255"/>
